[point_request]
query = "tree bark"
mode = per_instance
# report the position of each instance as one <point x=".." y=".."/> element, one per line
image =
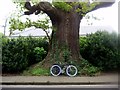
<point x="64" y="45"/>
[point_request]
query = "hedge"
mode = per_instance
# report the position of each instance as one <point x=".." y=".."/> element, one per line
<point x="19" y="53"/>
<point x="101" y="49"/>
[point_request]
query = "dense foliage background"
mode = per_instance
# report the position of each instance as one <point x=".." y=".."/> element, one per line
<point x="19" y="53"/>
<point x="101" y="49"/>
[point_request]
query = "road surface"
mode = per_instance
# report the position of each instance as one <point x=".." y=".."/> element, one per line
<point x="59" y="87"/>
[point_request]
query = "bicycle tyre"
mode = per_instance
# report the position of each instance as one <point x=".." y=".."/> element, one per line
<point x="55" y="70"/>
<point x="68" y="69"/>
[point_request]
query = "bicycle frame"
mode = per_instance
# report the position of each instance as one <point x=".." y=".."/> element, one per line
<point x="63" y="69"/>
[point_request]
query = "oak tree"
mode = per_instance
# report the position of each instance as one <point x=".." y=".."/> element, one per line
<point x="66" y="17"/>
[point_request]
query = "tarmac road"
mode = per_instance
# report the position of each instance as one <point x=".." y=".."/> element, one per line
<point x="59" y="87"/>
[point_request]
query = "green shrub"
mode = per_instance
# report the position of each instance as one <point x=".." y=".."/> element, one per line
<point x="14" y="56"/>
<point x="86" y="68"/>
<point x="32" y="43"/>
<point x="39" y="53"/>
<point x="18" y="54"/>
<point x="101" y="49"/>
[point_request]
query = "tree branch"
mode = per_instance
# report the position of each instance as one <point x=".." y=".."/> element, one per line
<point x="28" y="5"/>
<point x="47" y="35"/>
<point x="42" y="6"/>
<point x="46" y="7"/>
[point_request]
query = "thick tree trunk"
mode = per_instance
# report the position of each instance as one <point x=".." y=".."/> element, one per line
<point x="65" y="38"/>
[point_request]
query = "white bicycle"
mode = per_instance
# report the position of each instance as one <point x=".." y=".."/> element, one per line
<point x="70" y="70"/>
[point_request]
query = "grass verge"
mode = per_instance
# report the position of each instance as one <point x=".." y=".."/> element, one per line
<point x="84" y="69"/>
<point x="36" y="70"/>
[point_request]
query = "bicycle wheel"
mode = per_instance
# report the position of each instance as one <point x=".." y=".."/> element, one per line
<point x="55" y="70"/>
<point x="71" y="71"/>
